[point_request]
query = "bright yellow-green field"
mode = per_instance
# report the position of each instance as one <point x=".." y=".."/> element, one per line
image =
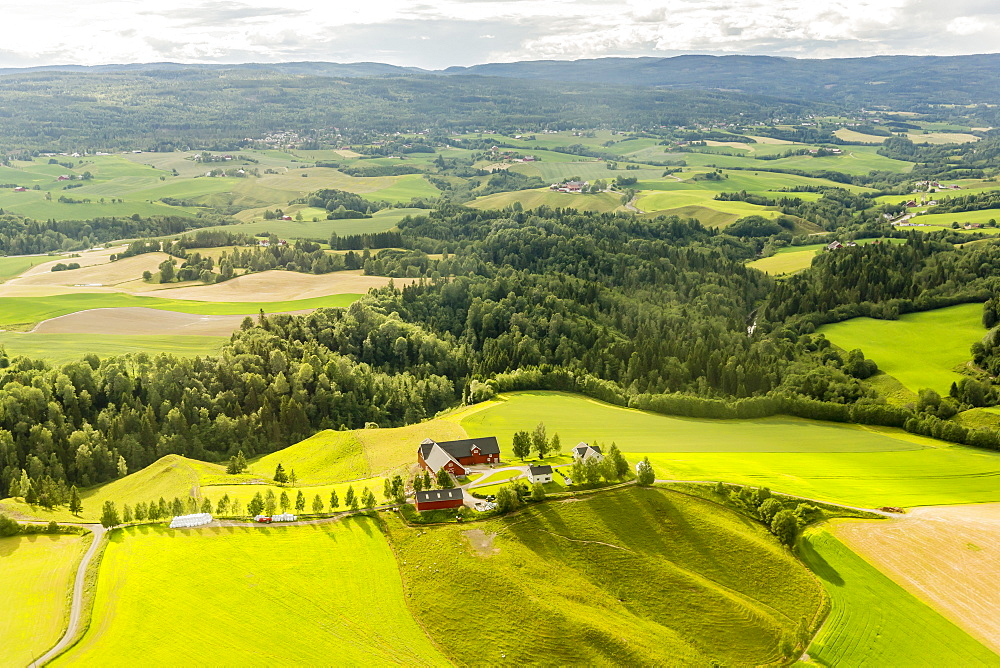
<point x="307" y="595"/>
<point x="38" y="573"/>
<point x="63" y="348"/>
<point x="18" y="264"/>
<point x="532" y="199"/>
<point x="828" y="461"/>
<point x="920" y="349"/>
<point x="786" y="263"/>
<point x="875" y="622"/>
<point x="630" y="577"/>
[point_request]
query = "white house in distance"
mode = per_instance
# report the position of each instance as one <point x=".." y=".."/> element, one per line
<point x="583" y="452"/>
<point x="542" y="474"/>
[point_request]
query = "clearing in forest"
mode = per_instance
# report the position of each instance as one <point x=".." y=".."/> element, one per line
<point x="251" y="596"/>
<point x="875" y="622"/>
<point x="948" y="556"/>
<point x="922" y="350"/>
<point x="630" y="577"/>
<point x="38" y="572"/>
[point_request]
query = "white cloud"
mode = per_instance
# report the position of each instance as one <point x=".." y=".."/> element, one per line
<point x="463" y="32"/>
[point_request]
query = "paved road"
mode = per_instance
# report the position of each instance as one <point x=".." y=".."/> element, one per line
<point x="76" y="610"/>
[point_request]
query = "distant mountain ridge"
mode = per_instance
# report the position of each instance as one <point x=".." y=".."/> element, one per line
<point x="905" y="82"/>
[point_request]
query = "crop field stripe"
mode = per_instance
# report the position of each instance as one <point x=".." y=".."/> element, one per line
<point x="304" y="595"/>
<point x="875" y="622"/>
<point x="64" y="348"/>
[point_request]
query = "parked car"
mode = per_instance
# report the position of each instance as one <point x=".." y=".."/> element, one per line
<point x="263" y="519"/>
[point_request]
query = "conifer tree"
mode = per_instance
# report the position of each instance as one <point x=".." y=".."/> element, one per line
<point x="300" y="501"/>
<point x="75" y="505"/>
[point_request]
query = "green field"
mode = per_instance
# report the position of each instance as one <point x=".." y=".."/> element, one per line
<point x="946" y="219"/>
<point x="786" y="263"/>
<point x="631" y="577"/>
<point x="326" y="457"/>
<point x="38" y="573"/>
<point x="920" y="349"/>
<point x="62" y="348"/>
<point x="532" y="199"/>
<point x="26" y="310"/>
<point x="18" y="264"/>
<point x="307" y="595"/>
<point x="322" y="229"/>
<point x="576" y="418"/>
<point x="849" y="464"/>
<point x="875" y="622"/>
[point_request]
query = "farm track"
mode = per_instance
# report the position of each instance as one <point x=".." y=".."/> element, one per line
<point x="76" y="608"/>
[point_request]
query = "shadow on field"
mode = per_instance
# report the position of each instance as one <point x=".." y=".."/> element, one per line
<point x="820" y="566"/>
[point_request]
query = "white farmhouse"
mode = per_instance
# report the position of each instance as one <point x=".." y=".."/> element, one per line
<point x="583" y="452"/>
<point x="540" y="474"/>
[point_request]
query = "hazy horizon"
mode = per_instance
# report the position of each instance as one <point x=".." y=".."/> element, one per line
<point x="458" y="33"/>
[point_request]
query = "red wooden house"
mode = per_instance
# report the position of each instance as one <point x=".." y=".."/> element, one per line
<point x="455" y="456"/>
<point x="435" y="499"/>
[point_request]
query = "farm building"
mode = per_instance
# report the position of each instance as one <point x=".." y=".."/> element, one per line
<point x="541" y="474"/>
<point x="583" y="452"/>
<point x="455" y="456"/>
<point x="187" y="521"/>
<point x="436" y="499"/>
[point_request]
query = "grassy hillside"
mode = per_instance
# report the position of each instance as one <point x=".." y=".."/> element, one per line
<point x="328" y="456"/>
<point x="38" y="573"/>
<point x="252" y="596"/>
<point x="576" y="418"/>
<point x="389" y="449"/>
<point x="532" y="199"/>
<point x="875" y="622"/>
<point x="633" y="577"/>
<point x="920" y="349"/>
<point x="871" y="466"/>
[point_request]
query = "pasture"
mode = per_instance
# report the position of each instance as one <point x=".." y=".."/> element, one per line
<point x="787" y="260"/>
<point x="947" y="556"/>
<point x="64" y="348"/>
<point x="875" y="622"/>
<point x="635" y="576"/>
<point x="18" y="264"/>
<point x="532" y="199"/>
<point x="321" y="230"/>
<point x="850" y="464"/>
<point x="25" y="311"/>
<point x="34" y="601"/>
<point x="577" y="418"/>
<point x="921" y="350"/>
<point x="234" y="594"/>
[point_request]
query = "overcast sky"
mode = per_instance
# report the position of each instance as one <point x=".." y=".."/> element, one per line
<point x="451" y="32"/>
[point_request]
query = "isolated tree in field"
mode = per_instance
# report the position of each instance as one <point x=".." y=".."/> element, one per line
<point x="398" y="489"/>
<point x="154" y="511"/>
<point x="785" y="527"/>
<point x="270" y="502"/>
<point x="177" y="507"/>
<point x="126" y="514"/>
<point x="521" y="445"/>
<point x="334" y="500"/>
<point x="223" y="506"/>
<point x="192" y="504"/>
<point x="235" y="507"/>
<point x="256" y="505"/>
<point x="555" y="446"/>
<point x="75" y="505"/>
<point x="349" y="500"/>
<point x="283" y="502"/>
<point x="317" y="504"/>
<point x="540" y="441"/>
<point x="292" y="478"/>
<point x="387" y="490"/>
<point x="537" y="492"/>
<point x="427" y="479"/>
<point x="140" y="511"/>
<point x="619" y="461"/>
<point x="109" y="515"/>
<point x="507" y="499"/>
<point x="279" y="474"/>
<point x="162" y="508"/>
<point x="300" y="501"/>
<point x="122" y="467"/>
<point x="237" y="464"/>
<point x="368" y="498"/>
<point x="645" y="473"/>
<point x="206" y="505"/>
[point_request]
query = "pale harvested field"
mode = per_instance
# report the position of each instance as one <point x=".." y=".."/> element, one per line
<point x="941" y="137"/>
<point x="730" y="144"/>
<point x="98" y="270"/>
<point x="135" y="321"/>
<point x="769" y="140"/>
<point x="274" y="286"/>
<point x="948" y="556"/>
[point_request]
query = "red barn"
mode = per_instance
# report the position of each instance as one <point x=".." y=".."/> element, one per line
<point x="436" y="499"/>
<point x="455" y="456"/>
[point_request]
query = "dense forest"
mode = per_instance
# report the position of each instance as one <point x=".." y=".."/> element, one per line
<point x="656" y="314"/>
